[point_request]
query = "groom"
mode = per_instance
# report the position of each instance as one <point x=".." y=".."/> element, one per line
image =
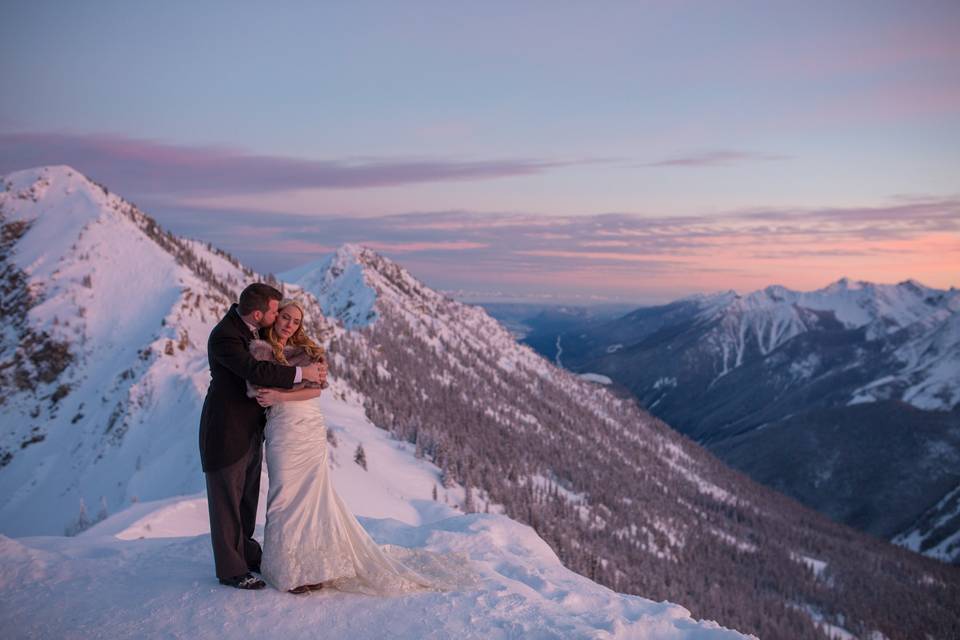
<point x="231" y="431"/>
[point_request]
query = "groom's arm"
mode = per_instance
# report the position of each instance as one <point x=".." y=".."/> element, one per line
<point x="231" y="352"/>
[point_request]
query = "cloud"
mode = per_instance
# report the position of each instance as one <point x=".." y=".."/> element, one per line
<point x="600" y="255"/>
<point x="718" y="158"/>
<point x="408" y="247"/>
<point x="616" y="255"/>
<point x="140" y="168"/>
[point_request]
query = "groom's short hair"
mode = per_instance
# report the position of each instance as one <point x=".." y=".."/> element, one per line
<point x="257" y="297"/>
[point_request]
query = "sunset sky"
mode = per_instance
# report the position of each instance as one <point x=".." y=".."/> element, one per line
<point x="630" y="151"/>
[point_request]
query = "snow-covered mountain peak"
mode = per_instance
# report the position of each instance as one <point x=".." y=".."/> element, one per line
<point x="777" y="293"/>
<point x="914" y="319"/>
<point x="886" y="308"/>
<point x="843" y="284"/>
<point x="56" y="203"/>
<point x="355" y="282"/>
<point x="59" y="189"/>
<point x="34" y="183"/>
<point x="727" y="295"/>
<point x="772" y="296"/>
<point x="353" y="251"/>
<point x="340" y="284"/>
<point x="108" y="313"/>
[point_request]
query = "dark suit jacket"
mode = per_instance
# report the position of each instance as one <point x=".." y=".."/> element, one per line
<point x="231" y="422"/>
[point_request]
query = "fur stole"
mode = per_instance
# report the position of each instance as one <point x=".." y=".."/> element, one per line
<point x="296" y="357"/>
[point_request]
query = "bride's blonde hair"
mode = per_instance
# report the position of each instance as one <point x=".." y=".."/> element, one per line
<point x="298" y="339"/>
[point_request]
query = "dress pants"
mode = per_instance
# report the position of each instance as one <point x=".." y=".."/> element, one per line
<point x="232" y="496"/>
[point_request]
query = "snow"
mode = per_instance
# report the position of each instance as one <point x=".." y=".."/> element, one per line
<point x="122" y="388"/>
<point x="946" y="549"/>
<point x="122" y="588"/>
<point x="596" y="377"/>
<point x="664" y="382"/>
<point x="933" y="360"/>
<point x="830" y="630"/>
<point x="147" y="571"/>
<point x="734" y="541"/>
<point x="803" y="369"/>
<point x="339" y="284"/>
<point x="544" y="483"/>
<point x="75" y="200"/>
<point x="681" y="462"/>
<point x="928" y="375"/>
<point x="817" y="566"/>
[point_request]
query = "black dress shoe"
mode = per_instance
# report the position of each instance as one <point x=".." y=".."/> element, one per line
<point x="307" y="588"/>
<point x="245" y="581"/>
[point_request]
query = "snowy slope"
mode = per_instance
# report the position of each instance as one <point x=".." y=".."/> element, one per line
<point x="116" y="297"/>
<point x="113" y="588"/>
<point x="147" y="571"/>
<point x="936" y="533"/>
<point x="931" y="357"/>
<point x="115" y="419"/>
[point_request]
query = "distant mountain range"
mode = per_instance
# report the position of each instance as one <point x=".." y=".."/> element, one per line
<point x="846" y="398"/>
<point x="104" y="364"/>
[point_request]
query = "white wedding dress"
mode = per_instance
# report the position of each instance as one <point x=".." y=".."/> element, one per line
<point x="311" y="536"/>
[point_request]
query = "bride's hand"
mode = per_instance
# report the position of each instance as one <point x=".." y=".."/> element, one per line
<point x="268" y="397"/>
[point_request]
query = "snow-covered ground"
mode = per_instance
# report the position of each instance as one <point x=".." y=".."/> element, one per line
<point x="148" y="570"/>
<point x="596" y="377"/>
<point x="940" y="515"/>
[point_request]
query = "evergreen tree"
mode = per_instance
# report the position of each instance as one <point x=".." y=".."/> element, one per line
<point x="447" y="479"/>
<point x="360" y="457"/>
<point x="468" y="503"/>
<point x="82" y="523"/>
<point x="103" y="513"/>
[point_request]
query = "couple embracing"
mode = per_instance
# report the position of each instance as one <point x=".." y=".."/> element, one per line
<point x="267" y="375"/>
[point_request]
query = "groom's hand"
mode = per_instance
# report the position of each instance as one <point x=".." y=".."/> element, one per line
<point x="314" y="372"/>
<point x="268" y="397"/>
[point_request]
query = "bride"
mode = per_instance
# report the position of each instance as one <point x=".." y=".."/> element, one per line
<point x="311" y="540"/>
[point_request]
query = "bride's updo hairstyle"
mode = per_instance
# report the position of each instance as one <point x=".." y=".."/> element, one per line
<point x="298" y="339"/>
